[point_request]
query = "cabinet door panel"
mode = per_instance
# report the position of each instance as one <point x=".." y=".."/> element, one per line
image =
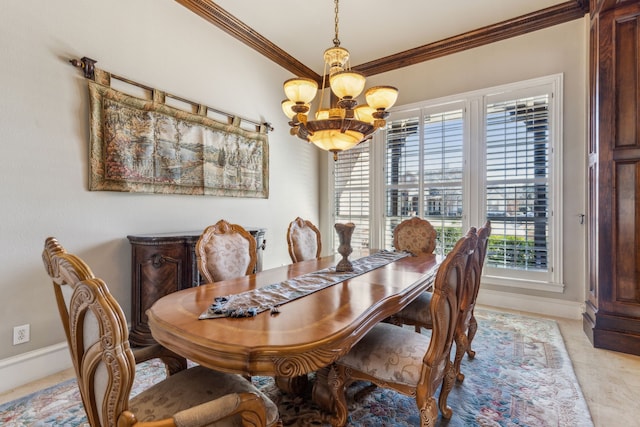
<point x="158" y="271"/>
<point x="612" y="309"/>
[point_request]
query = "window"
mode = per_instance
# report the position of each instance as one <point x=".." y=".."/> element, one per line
<point x="352" y="193"/>
<point x="491" y="154"/>
<point x="423" y="171"/>
<point x="517" y="182"/>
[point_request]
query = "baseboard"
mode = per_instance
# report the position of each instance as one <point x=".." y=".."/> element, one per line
<point x="537" y="305"/>
<point x="33" y="365"/>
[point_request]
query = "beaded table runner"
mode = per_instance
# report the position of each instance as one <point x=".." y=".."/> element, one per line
<point x="270" y="297"/>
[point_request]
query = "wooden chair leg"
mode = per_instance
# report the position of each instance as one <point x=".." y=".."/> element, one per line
<point x="445" y="389"/>
<point x="462" y="344"/>
<point x="473" y="327"/>
<point x="429" y="413"/>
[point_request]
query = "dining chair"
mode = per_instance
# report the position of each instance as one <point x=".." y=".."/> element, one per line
<point x="467" y="324"/>
<point x="410" y="363"/>
<point x="417" y="313"/>
<point x="65" y="281"/>
<point x="415" y="235"/>
<point x="105" y="365"/>
<point x="304" y="240"/>
<point x="225" y="251"/>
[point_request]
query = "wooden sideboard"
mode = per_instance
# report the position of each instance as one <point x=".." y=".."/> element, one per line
<point x="164" y="263"/>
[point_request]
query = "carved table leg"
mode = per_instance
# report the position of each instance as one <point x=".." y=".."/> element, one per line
<point x="299" y="386"/>
<point x="293" y="385"/>
<point x="321" y="393"/>
<point x="328" y="393"/>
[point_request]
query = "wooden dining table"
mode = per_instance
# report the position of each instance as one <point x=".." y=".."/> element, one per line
<point x="306" y="334"/>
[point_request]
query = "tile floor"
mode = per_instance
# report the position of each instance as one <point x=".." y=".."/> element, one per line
<point x="610" y="381"/>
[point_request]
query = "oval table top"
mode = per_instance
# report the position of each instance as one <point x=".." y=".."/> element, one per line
<point x="307" y="334"/>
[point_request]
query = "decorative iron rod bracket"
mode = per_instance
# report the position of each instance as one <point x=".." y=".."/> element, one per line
<point x="87" y="65"/>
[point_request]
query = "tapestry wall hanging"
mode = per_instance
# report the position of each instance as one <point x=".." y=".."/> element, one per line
<point x="145" y="145"/>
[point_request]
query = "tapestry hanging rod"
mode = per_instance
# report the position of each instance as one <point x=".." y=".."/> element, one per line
<point x="88" y="68"/>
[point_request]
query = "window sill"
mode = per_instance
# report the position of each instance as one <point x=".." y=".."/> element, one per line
<point x="513" y="282"/>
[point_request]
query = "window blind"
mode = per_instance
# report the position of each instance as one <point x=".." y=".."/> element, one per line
<point x="517" y="177"/>
<point x="402" y="177"/>
<point x="424" y="164"/>
<point x="351" y="189"/>
<point x="443" y="171"/>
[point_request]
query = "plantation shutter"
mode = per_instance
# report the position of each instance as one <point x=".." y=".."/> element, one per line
<point x="424" y="169"/>
<point x="443" y="172"/>
<point x="402" y="177"/>
<point x="351" y="189"/>
<point x="518" y="181"/>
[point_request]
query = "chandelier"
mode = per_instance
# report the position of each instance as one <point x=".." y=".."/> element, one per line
<point x="345" y="124"/>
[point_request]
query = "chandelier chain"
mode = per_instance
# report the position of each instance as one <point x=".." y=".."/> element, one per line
<point x="336" y="40"/>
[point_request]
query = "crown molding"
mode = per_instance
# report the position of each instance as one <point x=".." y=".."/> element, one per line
<point x="544" y="18"/>
<point x="520" y="25"/>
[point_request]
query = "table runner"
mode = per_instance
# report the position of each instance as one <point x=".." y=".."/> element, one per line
<point x="270" y="297"/>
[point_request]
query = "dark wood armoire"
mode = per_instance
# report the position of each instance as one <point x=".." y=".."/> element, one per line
<point x="612" y="314"/>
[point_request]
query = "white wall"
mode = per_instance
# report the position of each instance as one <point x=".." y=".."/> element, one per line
<point x="44" y="144"/>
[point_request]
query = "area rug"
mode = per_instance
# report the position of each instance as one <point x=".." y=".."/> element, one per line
<point x="521" y="376"/>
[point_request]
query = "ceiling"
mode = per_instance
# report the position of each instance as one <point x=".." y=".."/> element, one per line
<point x="295" y="33"/>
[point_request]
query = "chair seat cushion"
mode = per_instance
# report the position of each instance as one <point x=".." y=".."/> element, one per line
<point x="192" y="387"/>
<point x="418" y="311"/>
<point x="389" y="353"/>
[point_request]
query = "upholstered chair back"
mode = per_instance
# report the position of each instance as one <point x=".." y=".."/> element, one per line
<point x="97" y="335"/>
<point x="225" y="251"/>
<point x="415" y="235"/>
<point x="304" y="240"/>
<point x="105" y="366"/>
<point x="445" y="306"/>
<point x="475" y="269"/>
<point x="483" y="242"/>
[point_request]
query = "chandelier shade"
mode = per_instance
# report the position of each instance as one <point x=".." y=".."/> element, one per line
<point x="344" y="124"/>
<point x="286" y="108"/>
<point x="347" y="84"/>
<point x="364" y="113"/>
<point x="300" y="90"/>
<point x="336" y="140"/>
<point x="381" y="97"/>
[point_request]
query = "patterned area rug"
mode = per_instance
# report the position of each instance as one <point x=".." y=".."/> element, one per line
<point x="521" y="376"/>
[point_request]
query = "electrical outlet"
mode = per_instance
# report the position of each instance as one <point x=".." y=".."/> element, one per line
<point x="21" y="334"/>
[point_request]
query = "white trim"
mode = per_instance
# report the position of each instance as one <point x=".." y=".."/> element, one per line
<point x="34" y="365"/>
<point x="492" y="91"/>
<point x="522" y="282"/>
<point x="531" y="304"/>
